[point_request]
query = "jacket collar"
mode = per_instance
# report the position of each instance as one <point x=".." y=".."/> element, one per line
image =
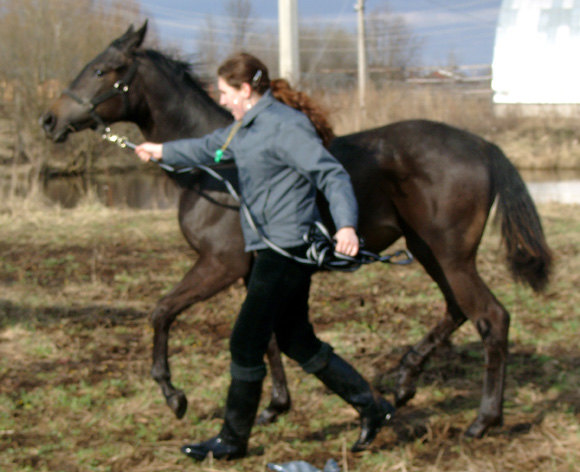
<point x="265" y="101"/>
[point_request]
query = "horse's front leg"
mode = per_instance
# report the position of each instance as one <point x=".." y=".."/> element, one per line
<point x="206" y="278"/>
<point x="280" y="400"/>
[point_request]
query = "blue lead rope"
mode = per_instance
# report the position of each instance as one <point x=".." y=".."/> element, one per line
<point x="320" y="250"/>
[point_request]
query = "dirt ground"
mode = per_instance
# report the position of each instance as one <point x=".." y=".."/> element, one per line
<point x="75" y="349"/>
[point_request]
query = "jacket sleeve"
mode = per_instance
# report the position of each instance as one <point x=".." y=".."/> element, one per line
<point x="300" y="146"/>
<point x="196" y="151"/>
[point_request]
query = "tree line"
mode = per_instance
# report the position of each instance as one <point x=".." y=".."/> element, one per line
<point x="43" y="44"/>
<point x="391" y="43"/>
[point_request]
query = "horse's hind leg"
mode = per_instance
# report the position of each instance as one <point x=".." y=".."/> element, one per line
<point x="280" y="399"/>
<point x="467" y="297"/>
<point x="492" y="322"/>
<point x="412" y="362"/>
<point x="206" y="278"/>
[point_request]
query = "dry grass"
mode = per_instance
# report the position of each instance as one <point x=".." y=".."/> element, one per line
<point x="77" y="285"/>
<point x="75" y="392"/>
<point x="548" y="142"/>
<point x="530" y="142"/>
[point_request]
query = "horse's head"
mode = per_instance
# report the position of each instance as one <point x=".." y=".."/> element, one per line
<point x="100" y="94"/>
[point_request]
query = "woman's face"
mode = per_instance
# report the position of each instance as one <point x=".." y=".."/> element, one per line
<point x="235" y="100"/>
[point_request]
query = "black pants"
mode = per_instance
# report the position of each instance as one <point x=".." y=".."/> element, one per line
<point x="276" y="302"/>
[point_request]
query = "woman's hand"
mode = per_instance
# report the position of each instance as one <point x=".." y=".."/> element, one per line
<point x="148" y="151"/>
<point x="346" y="241"/>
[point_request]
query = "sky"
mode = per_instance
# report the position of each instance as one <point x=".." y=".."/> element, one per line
<point x="461" y="29"/>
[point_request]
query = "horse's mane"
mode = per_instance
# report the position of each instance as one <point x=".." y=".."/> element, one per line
<point x="176" y="68"/>
<point x="281" y="90"/>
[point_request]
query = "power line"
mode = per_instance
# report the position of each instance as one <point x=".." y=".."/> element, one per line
<point x="179" y="21"/>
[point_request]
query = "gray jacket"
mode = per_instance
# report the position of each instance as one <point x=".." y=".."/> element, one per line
<point x="281" y="161"/>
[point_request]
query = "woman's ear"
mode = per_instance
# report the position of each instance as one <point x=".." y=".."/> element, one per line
<point x="246" y="90"/>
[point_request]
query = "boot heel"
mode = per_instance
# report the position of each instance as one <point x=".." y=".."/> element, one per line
<point x="371" y="424"/>
<point x="219" y="448"/>
<point x="344" y="380"/>
<point x="232" y="441"/>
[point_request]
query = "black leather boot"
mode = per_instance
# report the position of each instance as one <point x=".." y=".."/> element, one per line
<point x="232" y="441"/>
<point x="346" y="382"/>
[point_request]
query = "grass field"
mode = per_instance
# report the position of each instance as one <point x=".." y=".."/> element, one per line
<point x="75" y="391"/>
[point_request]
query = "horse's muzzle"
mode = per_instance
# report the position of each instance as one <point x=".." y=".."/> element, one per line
<point x="48" y="122"/>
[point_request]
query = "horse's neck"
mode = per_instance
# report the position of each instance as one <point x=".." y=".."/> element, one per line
<point x="177" y="111"/>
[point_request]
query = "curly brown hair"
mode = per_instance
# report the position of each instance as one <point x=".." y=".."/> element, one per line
<point x="246" y="68"/>
<point x="283" y="92"/>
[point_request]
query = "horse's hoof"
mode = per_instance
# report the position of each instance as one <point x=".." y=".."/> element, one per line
<point x="479" y="427"/>
<point x="475" y="431"/>
<point x="271" y="413"/>
<point x="402" y="396"/>
<point x="178" y="403"/>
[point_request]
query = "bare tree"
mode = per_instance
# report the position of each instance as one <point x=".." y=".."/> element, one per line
<point x="328" y="55"/>
<point x="391" y="43"/>
<point x="216" y="40"/>
<point x="264" y="44"/>
<point x="240" y="12"/>
<point x="44" y="44"/>
<point x="207" y="45"/>
<point x="50" y="40"/>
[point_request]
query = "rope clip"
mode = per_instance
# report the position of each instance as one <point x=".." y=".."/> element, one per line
<point x="120" y="141"/>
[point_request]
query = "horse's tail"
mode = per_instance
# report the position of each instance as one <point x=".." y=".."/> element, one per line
<point x="528" y="254"/>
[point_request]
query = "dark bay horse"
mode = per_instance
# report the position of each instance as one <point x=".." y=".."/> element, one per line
<point x="428" y="182"/>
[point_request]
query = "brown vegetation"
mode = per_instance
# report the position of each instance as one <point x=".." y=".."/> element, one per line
<point x="543" y="142"/>
<point x="44" y="47"/>
<point x="75" y="391"/>
<point x="77" y="286"/>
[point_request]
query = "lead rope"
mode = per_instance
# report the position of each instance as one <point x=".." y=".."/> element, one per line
<point x="321" y="245"/>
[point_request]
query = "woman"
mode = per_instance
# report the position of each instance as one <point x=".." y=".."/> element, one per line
<point x="281" y="162"/>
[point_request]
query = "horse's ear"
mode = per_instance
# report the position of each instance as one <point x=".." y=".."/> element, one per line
<point x="131" y="39"/>
<point x="141" y="33"/>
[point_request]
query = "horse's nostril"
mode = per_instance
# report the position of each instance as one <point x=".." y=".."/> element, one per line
<point x="48" y="121"/>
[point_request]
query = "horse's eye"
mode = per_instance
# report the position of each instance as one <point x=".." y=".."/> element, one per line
<point x="99" y="73"/>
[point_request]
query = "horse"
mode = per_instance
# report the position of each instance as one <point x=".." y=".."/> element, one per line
<point x="427" y="182"/>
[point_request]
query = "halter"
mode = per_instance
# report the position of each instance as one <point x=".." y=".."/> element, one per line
<point x="120" y="87"/>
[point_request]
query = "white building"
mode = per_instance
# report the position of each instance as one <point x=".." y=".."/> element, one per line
<point x="536" y="60"/>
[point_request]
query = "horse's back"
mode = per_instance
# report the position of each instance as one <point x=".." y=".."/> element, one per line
<point x="428" y="175"/>
<point x="406" y="146"/>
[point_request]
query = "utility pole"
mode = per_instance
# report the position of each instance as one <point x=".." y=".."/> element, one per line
<point x="362" y="60"/>
<point x="288" y="39"/>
